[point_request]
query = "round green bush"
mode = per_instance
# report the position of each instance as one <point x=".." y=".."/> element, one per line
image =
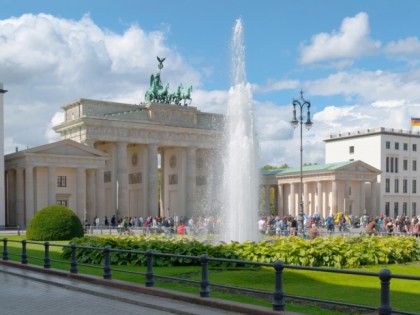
<point x="54" y="223"/>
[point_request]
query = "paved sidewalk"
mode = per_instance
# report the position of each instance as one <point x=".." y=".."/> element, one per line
<point x="28" y="289"/>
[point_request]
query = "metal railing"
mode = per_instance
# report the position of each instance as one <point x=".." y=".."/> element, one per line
<point x="278" y="295"/>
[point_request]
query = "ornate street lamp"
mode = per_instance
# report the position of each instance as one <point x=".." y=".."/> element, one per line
<point x="308" y="124"/>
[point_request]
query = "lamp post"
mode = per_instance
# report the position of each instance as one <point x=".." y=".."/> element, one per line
<point x="308" y="124"/>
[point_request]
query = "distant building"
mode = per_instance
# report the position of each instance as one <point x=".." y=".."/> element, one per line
<point x="327" y="189"/>
<point x="396" y="153"/>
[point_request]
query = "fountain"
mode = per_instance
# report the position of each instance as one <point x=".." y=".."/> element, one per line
<point x="240" y="178"/>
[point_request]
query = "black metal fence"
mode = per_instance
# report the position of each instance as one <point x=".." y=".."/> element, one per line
<point x="278" y="295"/>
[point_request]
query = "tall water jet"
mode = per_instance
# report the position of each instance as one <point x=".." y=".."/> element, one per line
<point x="240" y="172"/>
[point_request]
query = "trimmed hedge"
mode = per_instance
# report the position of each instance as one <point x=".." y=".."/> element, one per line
<point x="54" y="223"/>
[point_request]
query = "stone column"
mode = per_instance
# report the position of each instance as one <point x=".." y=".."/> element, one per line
<point x="334" y="196"/>
<point x="81" y="192"/>
<point x="280" y="203"/>
<point x="306" y="208"/>
<point x="267" y="198"/>
<point x="164" y="211"/>
<point x="320" y="209"/>
<point x="122" y="178"/>
<point x="100" y="194"/>
<point x="10" y="194"/>
<point x="292" y="206"/>
<point x="29" y="192"/>
<point x="152" y="180"/>
<point x="20" y="198"/>
<point x="346" y="197"/>
<point x="190" y="186"/>
<point x="52" y="184"/>
<point x="362" y="198"/>
<point x="373" y="210"/>
<point x="88" y="213"/>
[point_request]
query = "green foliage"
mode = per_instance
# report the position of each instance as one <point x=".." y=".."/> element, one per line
<point x="337" y="252"/>
<point x="180" y="245"/>
<point x="54" y="223"/>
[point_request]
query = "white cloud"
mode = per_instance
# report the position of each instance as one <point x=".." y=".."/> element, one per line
<point x="48" y="61"/>
<point x="50" y="134"/>
<point x="351" y="41"/>
<point x="406" y="46"/>
<point x="369" y="86"/>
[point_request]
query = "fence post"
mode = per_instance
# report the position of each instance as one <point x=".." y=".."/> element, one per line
<point x="385" y="307"/>
<point x="107" y="263"/>
<point x="18" y="230"/>
<point x="149" y="273"/>
<point x="204" y="284"/>
<point x="278" y="296"/>
<point x="24" y="256"/>
<point x="5" y="254"/>
<point x="73" y="264"/>
<point x="47" y="264"/>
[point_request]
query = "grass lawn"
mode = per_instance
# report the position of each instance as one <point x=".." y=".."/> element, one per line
<point x="405" y="294"/>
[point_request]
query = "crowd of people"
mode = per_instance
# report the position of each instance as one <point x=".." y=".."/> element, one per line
<point x="380" y="225"/>
<point x="315" y="225"/>
<point x="168" y="225"/>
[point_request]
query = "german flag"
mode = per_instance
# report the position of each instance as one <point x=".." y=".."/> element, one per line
<point x="415" y="122"/>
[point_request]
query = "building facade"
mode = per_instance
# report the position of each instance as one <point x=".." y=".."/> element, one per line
<point x="396" y="153"/>
<point x="114" y="157"/>
<point x="326" y="189"/>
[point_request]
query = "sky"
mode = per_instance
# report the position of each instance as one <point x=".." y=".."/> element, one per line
<point x="357" y="63"/>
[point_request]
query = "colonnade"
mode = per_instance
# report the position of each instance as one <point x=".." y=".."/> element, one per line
<point x="323" y="197"/>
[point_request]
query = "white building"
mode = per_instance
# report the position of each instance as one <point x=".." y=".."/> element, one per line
<point x="396" y="153"/>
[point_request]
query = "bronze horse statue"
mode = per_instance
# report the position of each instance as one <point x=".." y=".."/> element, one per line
<point x="187" y="95"/>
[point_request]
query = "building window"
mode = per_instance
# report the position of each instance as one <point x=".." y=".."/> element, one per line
<point x="351" y="149"/>
<point x="414" y="165"/>
<point x="392" y="164"/>
<point x="387" y="164"/>
<point x="414" y="209"/>
<point x="201" y="180"/>
<point x="395" y="209"/>
<point x="396" y="185"/>
<point x="414" y="190"/>
<point x="387" y="185"/>
<point x="396" y="165"/>
<point x="414" y="147"/>
<point x="397" y="146"/>
<point x="62" y="203"/>
<point x="134" y="178"/>
<point x="405" y="146"/>
<point x="387" y="206"/>
<point x="107" y="177"/>
<point x="405" y="165"/>
<point x="388" y="145"/>
<point x="405" y="186"/>
<point x="173" y="179"/>
<point x="61" y="181"/>
<point x="404" y="208"/>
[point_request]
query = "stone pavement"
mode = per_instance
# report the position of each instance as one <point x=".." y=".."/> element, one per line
<point x="26" y="289"/>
